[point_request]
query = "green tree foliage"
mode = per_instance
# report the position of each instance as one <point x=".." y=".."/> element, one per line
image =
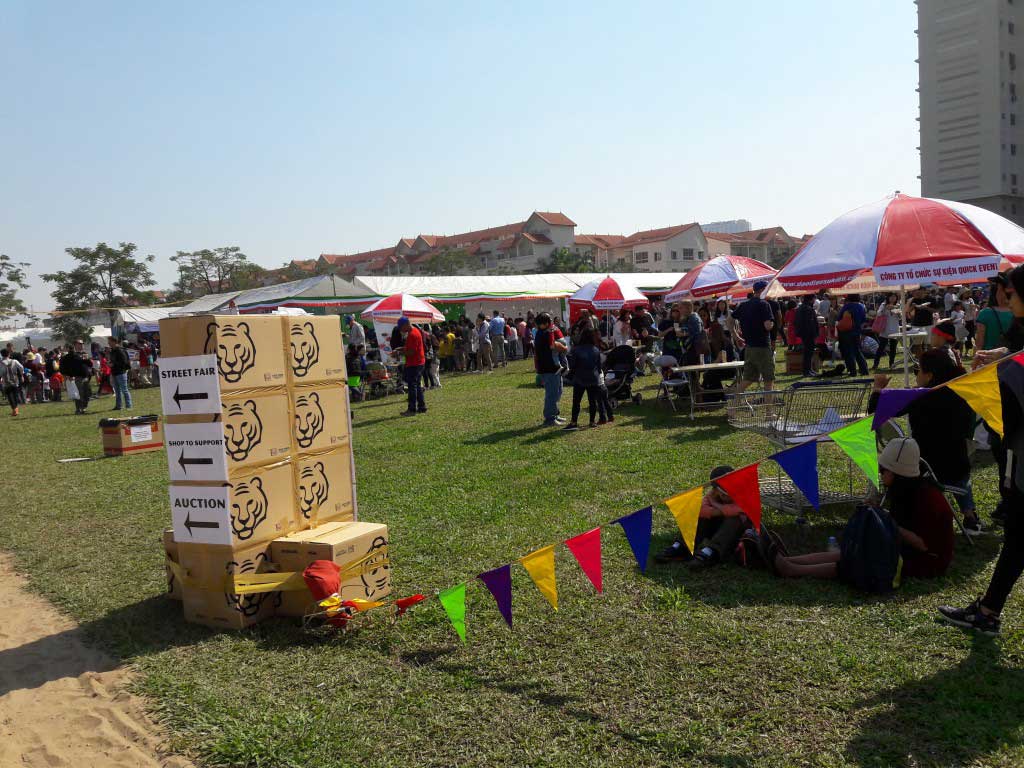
<point x="103" y="276"/>
<point x="12" y="277"/>
<point x="215" y="270"/>
<point x="564" y="260"/>
<point x="67" y="328"/>
<point x="447" y="263"/>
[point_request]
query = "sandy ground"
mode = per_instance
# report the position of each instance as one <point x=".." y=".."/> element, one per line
<point x="62" y="703"/>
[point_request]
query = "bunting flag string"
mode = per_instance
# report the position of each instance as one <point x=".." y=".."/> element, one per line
<point x="858" y="442"/>
<point x="981" y="391"/>
<point x="453" y="600"/>
<point x="801" y="464"/>
<point x="638" y="527"/>
<point x="586" y="548"/>
<point x="685" y="508"/>
<point x="892" y="402"/>
<point x="742" y="484"/>
<point x="541" y="567"/>
<point x="499" y="582"/>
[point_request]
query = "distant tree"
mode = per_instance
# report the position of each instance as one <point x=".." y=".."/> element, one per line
<point x="215" y="270"/>
<point x="447" y="263"/>
<point x="291" y="272"/>
<point x="564" y="260"/>
<point x="103" y="276"/>
<point x="68" y="328"/>
<point x="12" y="277"/>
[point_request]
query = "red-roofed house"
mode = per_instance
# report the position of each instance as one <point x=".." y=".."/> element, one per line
<point x="668" y="249"/>
<point x="772" y="245"/>
<point x="598" y="248"/>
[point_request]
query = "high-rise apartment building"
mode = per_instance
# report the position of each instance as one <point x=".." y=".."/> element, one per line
<point x="970" y="55"/>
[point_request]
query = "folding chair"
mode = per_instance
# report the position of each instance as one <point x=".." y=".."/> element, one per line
<point x="668" y="388"/>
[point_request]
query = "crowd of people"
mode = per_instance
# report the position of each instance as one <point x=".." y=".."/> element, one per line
<point x="37" y="375"/>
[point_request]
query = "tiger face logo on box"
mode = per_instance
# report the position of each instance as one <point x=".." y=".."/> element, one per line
<point x="243" y="429"/>
<point x="234" y="347"/>
<point x="305" y="348"/>
<point x="248" y="508"/>
<point x="314" y="488"/>
<point x="309" y="419"/>
<point x="320" y="417"/>
<point x="249" y="605"/>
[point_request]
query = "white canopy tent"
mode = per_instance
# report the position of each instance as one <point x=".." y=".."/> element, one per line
<point x="141" y="319"/>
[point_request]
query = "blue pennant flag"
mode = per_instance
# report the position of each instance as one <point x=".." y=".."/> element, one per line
<point x="801" y="464"/>
<point x="637" y="528"/>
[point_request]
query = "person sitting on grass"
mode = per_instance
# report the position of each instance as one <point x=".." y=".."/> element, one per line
<point x="719" y="529"/>
<point x="942" y="423"/>
<point x="917" y="506"/>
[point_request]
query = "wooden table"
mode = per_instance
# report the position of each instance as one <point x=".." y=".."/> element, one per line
<point x="692" y="374"/>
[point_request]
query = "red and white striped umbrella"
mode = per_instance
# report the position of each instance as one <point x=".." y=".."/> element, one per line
<point x="607" y="294"/>
<point x="903" y="241"/>
<point x="720" y="276"/>
<point x="402" y="305"/>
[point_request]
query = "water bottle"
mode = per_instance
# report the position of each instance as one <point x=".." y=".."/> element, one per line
<point x="833" y="544"/>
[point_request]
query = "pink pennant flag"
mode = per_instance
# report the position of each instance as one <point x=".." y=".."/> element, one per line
<point x="586" y="548"/>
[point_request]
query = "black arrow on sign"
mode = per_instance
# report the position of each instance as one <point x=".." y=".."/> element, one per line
<point x="179" y="396"/>
<point x="184" y="463"/>
<point x="190" y="523"/>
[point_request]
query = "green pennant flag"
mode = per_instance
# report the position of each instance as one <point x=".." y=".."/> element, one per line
<point x="454" y="601"/>
<point x="858" y="442"/>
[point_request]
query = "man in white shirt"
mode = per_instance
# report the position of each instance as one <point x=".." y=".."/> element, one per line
<point x="823" y="305"/>
<point x="356" y="333"/>
<point x="948" y="301"/>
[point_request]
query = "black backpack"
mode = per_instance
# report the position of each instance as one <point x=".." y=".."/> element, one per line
<point x="870" y="551"/>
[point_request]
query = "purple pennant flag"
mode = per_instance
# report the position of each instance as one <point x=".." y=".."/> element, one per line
<point x="891" y="403"/>
<point x="637" y="527"/>
<point x="499" y="582"/>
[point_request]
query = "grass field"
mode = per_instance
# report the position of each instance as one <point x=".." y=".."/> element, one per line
<point x="721" y="668"/>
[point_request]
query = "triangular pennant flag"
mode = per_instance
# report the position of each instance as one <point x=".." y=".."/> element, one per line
<point x="981" y="391"/>
<point x="891" y="403"/>
<point x="586" y="548"/>
<point x="541" y="567"/>
<point x="454" y="601"/>
<point x="499" y="582"/>
<point x="685" y="508"/>
<point x="745" y="490"/>
<point x="637" y="527"/>
<point x="858" y="442"/>
<point x="801" y="464"/>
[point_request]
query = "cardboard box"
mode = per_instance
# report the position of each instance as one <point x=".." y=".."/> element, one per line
<point x="314" y="349"/>
<point x="249" y="348"/>
<point x="323" y="488"/>
<point x="320" y="417"/>
<point x="171" y="556"/>
<point x="344" y="544"/>
<point x="253" y="508"/>
<point x="205" y="597"/>
<point x="138" y="434"/>
<point x="253" y="429"/>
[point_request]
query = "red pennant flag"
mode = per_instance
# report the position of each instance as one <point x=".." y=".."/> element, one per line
<point x="586" y="548"/>
<point x="743" y="486"/>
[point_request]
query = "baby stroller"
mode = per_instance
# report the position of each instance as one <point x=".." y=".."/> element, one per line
<point x="619" y="372"/>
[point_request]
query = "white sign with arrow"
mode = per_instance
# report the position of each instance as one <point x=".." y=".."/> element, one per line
<point x="201" y="515"/>
<point x="189" y="384"/>
<point x="196" y="452"/>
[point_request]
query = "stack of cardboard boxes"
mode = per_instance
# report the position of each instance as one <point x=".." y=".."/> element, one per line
<point x="259" y="449"/>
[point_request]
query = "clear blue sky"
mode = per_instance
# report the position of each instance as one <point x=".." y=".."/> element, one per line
<point x="291" y="129"/>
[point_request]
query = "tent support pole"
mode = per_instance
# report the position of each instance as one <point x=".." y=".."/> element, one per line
<point x="903" y="337"/>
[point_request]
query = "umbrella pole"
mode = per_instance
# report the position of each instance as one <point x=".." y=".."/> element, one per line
<point x="903" y="337"/>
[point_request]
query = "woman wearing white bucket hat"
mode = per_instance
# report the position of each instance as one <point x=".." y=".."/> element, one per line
<point x="921" y="512"/>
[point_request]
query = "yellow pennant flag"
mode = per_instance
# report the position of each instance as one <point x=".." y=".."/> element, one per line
<point x="685" y="508"/>
<point x="981" y="391"/>
<point x="541" y="567"/>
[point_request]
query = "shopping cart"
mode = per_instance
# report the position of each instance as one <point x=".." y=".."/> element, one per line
<point x="805" y="411"/>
